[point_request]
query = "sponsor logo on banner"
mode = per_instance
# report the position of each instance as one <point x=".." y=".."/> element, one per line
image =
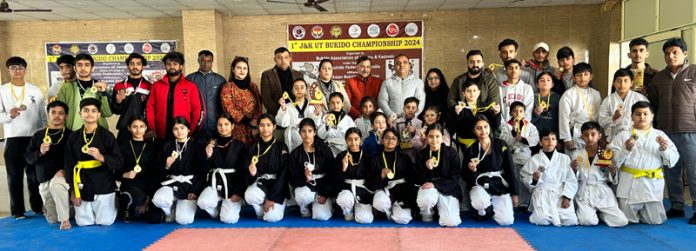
<point x="165" y="47"/>
<point x="354" y="31"/>
<point x="298" y="32"/>
<point x="110" y="48"/>
<point x="74" y="49"/>
<point x="411" y="29"/>
<point x="147" y="48"/>
<point x="92" y="49"/>
<point x="128" y="48"/>
<point x="373" y="30"/>
<point x="392" y="30"/>
<point x="56" y="49"/>
<point x="336" y="31"/>
<point x="317" y="32"/>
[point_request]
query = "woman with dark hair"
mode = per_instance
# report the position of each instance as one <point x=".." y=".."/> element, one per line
<point x="311" y="168"/>
<point x="185" y="178"/>
<point x="267" y="174"/>
<point x="392" y="175"/>
<point x="241" y="98"/>
<point x="226" y="163"/>
<point x="436" y="91"/>
<point x="489" y="173"/>
<point x="319" y="91"/>
<point x="355" y="196"/>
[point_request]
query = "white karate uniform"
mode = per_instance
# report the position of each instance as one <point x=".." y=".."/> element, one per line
<point x="185" y="210"/>
<point x="305" y="196"/>
<point x="56" y="199"/>
<point x="557" y="180"/>
<point x="577" y="106"/>
<point x="351" y="205"/>
<point x="610" y="105"/>
<point x="229" y="210"/>
<point x="502" y="205"/>
<point x="640" y="197"/>
<point x="101" y="211"/>
<point x="521" y="153"/>
<point x="335" y="136"/>
<point x="594" y="195"/>
<point x="521" y="92"/>
<point x="255" y="197"/>
<point x="290" y="120"/>
<point x="447" y="206"/>
<point x="393" y="210"/>
<point x="364" y="125"/>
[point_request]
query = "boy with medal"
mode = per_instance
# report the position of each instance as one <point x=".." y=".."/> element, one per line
<point x="91" y="158"/>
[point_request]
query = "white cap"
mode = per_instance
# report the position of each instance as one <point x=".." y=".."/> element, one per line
<point x="541" y="45"/>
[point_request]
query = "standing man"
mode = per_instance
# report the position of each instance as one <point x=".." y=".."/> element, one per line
<point x="474" y="73"/>
<point x="173" y="96"/>
<point x="642" y="72"/>
<point x="672" y="94"/>
<point x="539" y="62"/>
<point x="66" y="64"/>
<point x="364" y="84"/>
<point x="130" y="95"/>
<point x="208" y="83"/>
<point x="277" y="80"/>
<point x="21" y="113"/>
<point x="396" y="89"/>
<point x="72" y="93"/>
<point x="564" y="74"/>
<point x="508" y="50"/>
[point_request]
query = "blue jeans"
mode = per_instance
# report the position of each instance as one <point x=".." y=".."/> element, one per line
<point x="686" y="145"/>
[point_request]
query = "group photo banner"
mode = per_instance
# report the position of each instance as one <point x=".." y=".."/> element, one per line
<point x="110" y="58"/>
<point x="344" y="43"/>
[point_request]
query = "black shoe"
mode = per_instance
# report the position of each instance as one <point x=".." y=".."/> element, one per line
<point x="674" y="213"/>
<point x="128" y="217"/>
<point x="522" y="209"/>
<point x="692" y="221"/>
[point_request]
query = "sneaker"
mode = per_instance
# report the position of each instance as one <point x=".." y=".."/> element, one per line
<point x="349" y="217"/>
<point x="674" y="213"/>
<point x="427" y="218"/>
<point x="128" y="217"/>
<point x="692" y="221"/>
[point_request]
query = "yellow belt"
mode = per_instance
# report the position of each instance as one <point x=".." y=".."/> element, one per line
<point x="467" y="142"/>
<point x="650" y="173"/>
<point x="87" y="164"/>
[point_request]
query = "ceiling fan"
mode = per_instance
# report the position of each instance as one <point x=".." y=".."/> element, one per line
<point x="5" y="8"/>
<point x="309" y="4"/>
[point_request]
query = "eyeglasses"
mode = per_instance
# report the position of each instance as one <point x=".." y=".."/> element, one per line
<point x="17" y="68"/>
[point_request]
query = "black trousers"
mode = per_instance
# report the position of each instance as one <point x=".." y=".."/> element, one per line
<point x="16" y="166"/>
<point x="131" y="197"/>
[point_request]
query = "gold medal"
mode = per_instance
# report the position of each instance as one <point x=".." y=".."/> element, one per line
<point x="212" y="142"/>
<point x="85" y="148"/>
<point x="390" y="175"/>
<point x="543" y="105"/>
<point x="579" y="158"/>
<point x="435" y="162"/>
<point x="47" y="139"/>
<point x="620" y="107"/>
<point x="286" y="95"/>
<point x="608" y="153"/>
<point x="137" y="169"/>
<point x="332" y="120"/>
<point x="175" y="154"/>
<point x="634" y="136"/>
<point x="475" y="161"/>
<point x="541" y="169"/>
<point x="22" y="107"/>
<point x="93" y="89"/>
<point x="560" y="68"/>
<point x="254" y="160"/>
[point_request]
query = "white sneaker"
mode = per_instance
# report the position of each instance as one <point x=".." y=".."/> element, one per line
<point x="427" y="218"/>
<point x="349" y="217"/>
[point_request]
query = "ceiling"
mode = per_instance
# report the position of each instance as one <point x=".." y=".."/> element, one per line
<point x="125" y="9"/>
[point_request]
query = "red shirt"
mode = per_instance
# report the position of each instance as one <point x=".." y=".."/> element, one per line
<point x="187" y="103"/>
<point x="357" y="89"/>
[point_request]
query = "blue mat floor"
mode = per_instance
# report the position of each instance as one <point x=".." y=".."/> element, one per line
<point x="35" y="233"/>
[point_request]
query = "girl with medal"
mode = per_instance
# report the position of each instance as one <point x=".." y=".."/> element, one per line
<point x="391" y="174"/>
<point x="184" y="176"/>
<point x="311" y="168"/>
<point x="291" y="113"/>
<point x="490" y="176"/>
<point x="138" y="174"/>
<point x="438" y="170"/>
<point x="226" y="164"/>
<point x="355" y="196"/>
<point x="335" y="124"/>
<point x="373" y="142"/>
<point x="431" y="116"/>
<point x="267" y="173"/>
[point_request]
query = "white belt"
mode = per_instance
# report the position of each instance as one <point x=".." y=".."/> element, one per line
<point x="266" y="176"/>
<point x="315" y="177"/>
<point x="222" y="172"/>
<point x="178" y="179"/>
<point x="498" y="174"/>
<point x="391" y="184"/>
<point x="354" y="184"/>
